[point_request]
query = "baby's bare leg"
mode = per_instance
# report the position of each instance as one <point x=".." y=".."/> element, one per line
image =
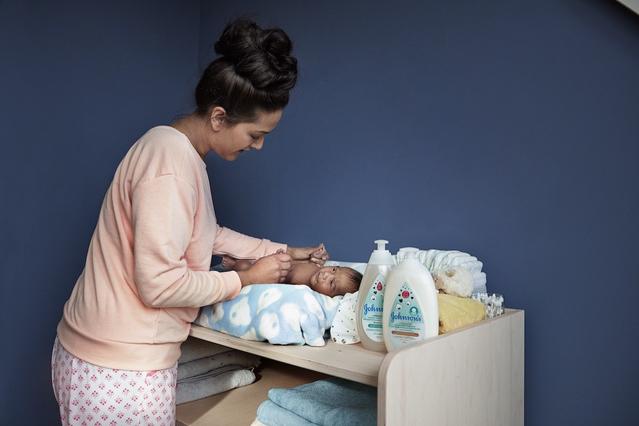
<point x="230" y="263"/>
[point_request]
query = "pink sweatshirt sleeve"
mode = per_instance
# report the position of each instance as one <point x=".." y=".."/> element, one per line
<point x="242" y="246"/>
<point x="163" y="220"/>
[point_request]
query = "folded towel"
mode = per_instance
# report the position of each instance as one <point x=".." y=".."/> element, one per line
<point x="212" y="373"/>
<point x="456" y="312"/>
<point x="257" y="422"/>
<point x="212" y="383"/>
<point x="334" y="402"/>
<point x="203" y="365"/>
<point x="193" y="349"/>
<point x="271" y="414"/>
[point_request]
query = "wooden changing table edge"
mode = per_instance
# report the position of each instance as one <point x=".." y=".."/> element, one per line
<point x="470" y="376"/>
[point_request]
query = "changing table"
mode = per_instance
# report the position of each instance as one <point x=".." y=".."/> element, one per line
<point x="470" y="376"/>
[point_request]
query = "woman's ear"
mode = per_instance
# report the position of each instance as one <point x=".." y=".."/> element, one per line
<point x="217" y="118"/>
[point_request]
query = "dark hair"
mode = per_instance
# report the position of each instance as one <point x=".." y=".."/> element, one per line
<point x="354" y="277"/>
<point x="254" y="72"/>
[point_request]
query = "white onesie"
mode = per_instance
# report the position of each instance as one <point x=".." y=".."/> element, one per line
<point x="344" y="328"/>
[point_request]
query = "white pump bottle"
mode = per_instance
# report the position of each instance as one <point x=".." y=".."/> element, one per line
<point x="370" y="300"/>
<point x="411" y="311"/>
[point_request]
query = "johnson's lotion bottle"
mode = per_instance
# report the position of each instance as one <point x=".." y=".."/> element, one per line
<point x="410" y="311"/>
<point x="370" y="300"/>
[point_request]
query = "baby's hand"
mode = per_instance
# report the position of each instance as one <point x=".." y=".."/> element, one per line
<point x="320" y="255"/>
<point x="316" y="255"/>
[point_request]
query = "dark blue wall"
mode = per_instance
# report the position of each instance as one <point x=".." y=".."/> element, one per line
<point x="507" y="129"/>
<point x="79" y="82"/>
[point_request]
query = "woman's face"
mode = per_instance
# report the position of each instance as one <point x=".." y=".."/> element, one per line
<point x="330" y="280"/>
<point x="233" y="139"/>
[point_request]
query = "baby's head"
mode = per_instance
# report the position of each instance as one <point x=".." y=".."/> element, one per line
<point x="335" y="280"/>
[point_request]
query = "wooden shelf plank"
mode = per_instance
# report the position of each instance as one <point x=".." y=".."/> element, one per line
<point x="351" y="362"/>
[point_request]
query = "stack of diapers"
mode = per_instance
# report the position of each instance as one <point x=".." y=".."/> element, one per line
<point x="206" y="369"/>
<point x="331" y="402"/>
<point x="437" y="261"/>
<point x="278" y="313"/>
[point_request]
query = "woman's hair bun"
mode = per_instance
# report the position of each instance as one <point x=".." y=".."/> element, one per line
<point x="244" y="37"/>
<point x="276" y="42"/>
<point x="238" y="38"/>
<point x="256" y="70"/>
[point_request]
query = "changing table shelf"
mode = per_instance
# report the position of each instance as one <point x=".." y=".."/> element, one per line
<point x="351" y="362"/>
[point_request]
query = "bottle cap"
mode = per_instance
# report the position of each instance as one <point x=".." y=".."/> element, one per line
<point x="408" y="252"/>
<point x="407" y="249"/>
<point x="381" y="244"/>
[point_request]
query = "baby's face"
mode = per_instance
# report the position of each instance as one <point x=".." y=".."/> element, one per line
<point x="331" y="281"/>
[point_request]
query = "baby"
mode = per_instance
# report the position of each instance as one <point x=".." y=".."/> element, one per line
<point x="328" y="280"/>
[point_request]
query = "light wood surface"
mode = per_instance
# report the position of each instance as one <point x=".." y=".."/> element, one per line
<point x="238" y="407"/>
<point x="351" y="362"/>
<point x="471" y="376"/>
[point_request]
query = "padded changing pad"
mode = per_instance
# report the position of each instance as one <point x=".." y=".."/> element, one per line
<point x="278" y="313"/>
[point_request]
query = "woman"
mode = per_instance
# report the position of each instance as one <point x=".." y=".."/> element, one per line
<point x="147" y="271"/>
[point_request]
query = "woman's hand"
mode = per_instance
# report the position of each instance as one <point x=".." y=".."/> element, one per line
<point x="317" y="255"/>
<point x="268" y="269"/>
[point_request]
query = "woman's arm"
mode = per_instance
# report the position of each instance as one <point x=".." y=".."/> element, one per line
<point x="162" y="222"/>
<point x="240" y="246"/>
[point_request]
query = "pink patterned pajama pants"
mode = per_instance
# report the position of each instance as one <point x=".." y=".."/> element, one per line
<point x="91" y="395"/>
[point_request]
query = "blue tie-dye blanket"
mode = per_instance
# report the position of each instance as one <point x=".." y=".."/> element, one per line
<point x="278" y="313"/>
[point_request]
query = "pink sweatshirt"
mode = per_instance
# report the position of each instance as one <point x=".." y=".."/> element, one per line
<point x="147" y="268"/>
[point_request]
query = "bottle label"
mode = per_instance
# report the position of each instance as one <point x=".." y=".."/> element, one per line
<point x="406" y="320"/>
<point x="372" y="309"/>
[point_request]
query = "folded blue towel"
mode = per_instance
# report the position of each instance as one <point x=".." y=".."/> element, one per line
<point x="331" y="402"/>
<point x="272" y="414"/>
